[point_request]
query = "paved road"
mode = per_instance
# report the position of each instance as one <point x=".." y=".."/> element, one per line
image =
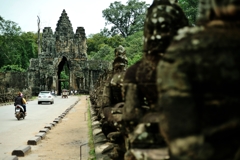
<point x="14" y="133"/>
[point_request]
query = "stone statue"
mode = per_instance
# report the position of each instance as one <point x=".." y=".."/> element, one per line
<point x="112" y="103"/>
<point x="140" y="113"/>
<point x="198" y="85"/>
<point x="112" y="93"/>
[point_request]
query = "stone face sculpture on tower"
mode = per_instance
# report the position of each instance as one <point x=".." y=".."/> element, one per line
<point x="64" y="47"/>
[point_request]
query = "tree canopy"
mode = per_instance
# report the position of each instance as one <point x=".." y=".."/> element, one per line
<point x="125" y="19"/>
<point x="16" y="47"/>
<point x="190" y="8"/>
<point x="102" y="47"/>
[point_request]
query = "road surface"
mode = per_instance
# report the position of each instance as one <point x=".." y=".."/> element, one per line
<point x="15" y="133"/>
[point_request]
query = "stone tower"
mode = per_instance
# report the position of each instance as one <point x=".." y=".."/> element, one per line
<point x="59" y="50"/>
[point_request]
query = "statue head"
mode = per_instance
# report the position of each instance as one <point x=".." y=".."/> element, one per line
<point x="204" y="11"/>
<point x="218" y="9"/>
<point x="120" y="61"/>
<point x="226" y="9"/>
<point x="163" y="19"/>
<point x="120" y="51"/>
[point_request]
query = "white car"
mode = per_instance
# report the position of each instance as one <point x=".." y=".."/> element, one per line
<point x="45" y="96"/>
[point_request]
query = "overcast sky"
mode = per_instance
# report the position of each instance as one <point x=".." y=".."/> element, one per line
<point x="82" y="13"/>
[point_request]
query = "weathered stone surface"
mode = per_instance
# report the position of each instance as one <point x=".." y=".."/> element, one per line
<point x="34" y="140"/>
<point x="58" y="49"/>
<point x="41" y="134"/>
<point x="21" y="151"/>
<point x="10" y="85"/>
<point x="53" y="123"/>
<point x="97" y="131"/>
<point x="45" y="130"/>
<point x="49" y="126"/>
<point x="57" y="120"/>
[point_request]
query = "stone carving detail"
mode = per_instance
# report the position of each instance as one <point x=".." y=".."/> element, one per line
<point x="64" y="47"/>
<point x="125" y="102"/>
<point x="48" y="40"/>
<point x="80" y="47"/>
<point x="199" y="77"/>
<point x="57" y="49"/>
<point x="140" y="89"/>
<point x="107" y="102"/>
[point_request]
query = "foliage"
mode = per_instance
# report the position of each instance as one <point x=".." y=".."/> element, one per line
<point x="11" y="68"/>
<point x="190" y="9"/>
<point x="16" y="47"/>
<point x="134" y="47"/>
<point x="101" y="47"/>
<point x="65" y="75"/>
<point x="105" y="53"/>
<point x="125" y="19"/>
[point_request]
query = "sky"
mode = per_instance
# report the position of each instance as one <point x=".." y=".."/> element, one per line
<point x="81" y="13"/>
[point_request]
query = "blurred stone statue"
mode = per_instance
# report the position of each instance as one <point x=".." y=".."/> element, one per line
<point x="112" y="102"/>
<point x="198" y="84"/>
<point x="140" y="113"/>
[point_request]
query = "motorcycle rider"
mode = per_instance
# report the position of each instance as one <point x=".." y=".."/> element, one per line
<point x="24" y="104"/>
<point x="19" y="101"/>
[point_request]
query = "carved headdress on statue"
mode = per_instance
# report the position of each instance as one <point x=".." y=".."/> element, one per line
<point x="120" y="58"/>
<point x="161" y="24"/>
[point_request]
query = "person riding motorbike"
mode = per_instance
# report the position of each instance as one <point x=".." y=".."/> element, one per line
<point x="19" y="100"/>
<point x="24" y="104"/>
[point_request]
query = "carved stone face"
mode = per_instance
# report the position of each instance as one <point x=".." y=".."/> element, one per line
<point x="120" y="61"/>
<point x="163" y="19"/>
<point x="120" y="51"/>
<point x="226" y="9"/>
<point x="119" y="64"/>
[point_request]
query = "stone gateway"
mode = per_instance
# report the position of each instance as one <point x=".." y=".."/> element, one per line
<point x="62" y="50"/>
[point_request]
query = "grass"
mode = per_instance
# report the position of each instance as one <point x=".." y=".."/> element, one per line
<point x="90" y="134"/>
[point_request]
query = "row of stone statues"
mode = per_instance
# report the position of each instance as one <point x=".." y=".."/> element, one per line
<point x="180" y="101"/>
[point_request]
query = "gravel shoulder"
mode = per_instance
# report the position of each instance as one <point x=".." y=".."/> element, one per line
<point x="64" y="140"/>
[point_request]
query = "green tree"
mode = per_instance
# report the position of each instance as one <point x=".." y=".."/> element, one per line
<point x="102" y="47"/>
<point x="16" y="47"/>
<point x="11" y="68"/>
<point x="125" y="19"/>
<point x="9" y="36"/>
<point x="65" y="75"/>
<point x="190" y="9"/>
<point x="134" y="47"/>
<point x="29" y="48"/>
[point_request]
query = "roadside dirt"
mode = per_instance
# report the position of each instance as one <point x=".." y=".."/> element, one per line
<point x="64" y="140"/>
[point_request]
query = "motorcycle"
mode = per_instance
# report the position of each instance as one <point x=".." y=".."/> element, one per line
<point x="19" y="112"/>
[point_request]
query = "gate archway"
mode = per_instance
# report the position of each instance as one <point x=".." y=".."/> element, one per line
<point x="62" y="50"/>
<point x="63" y="75"/>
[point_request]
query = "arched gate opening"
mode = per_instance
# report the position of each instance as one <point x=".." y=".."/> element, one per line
<point x="63" y="75"/>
